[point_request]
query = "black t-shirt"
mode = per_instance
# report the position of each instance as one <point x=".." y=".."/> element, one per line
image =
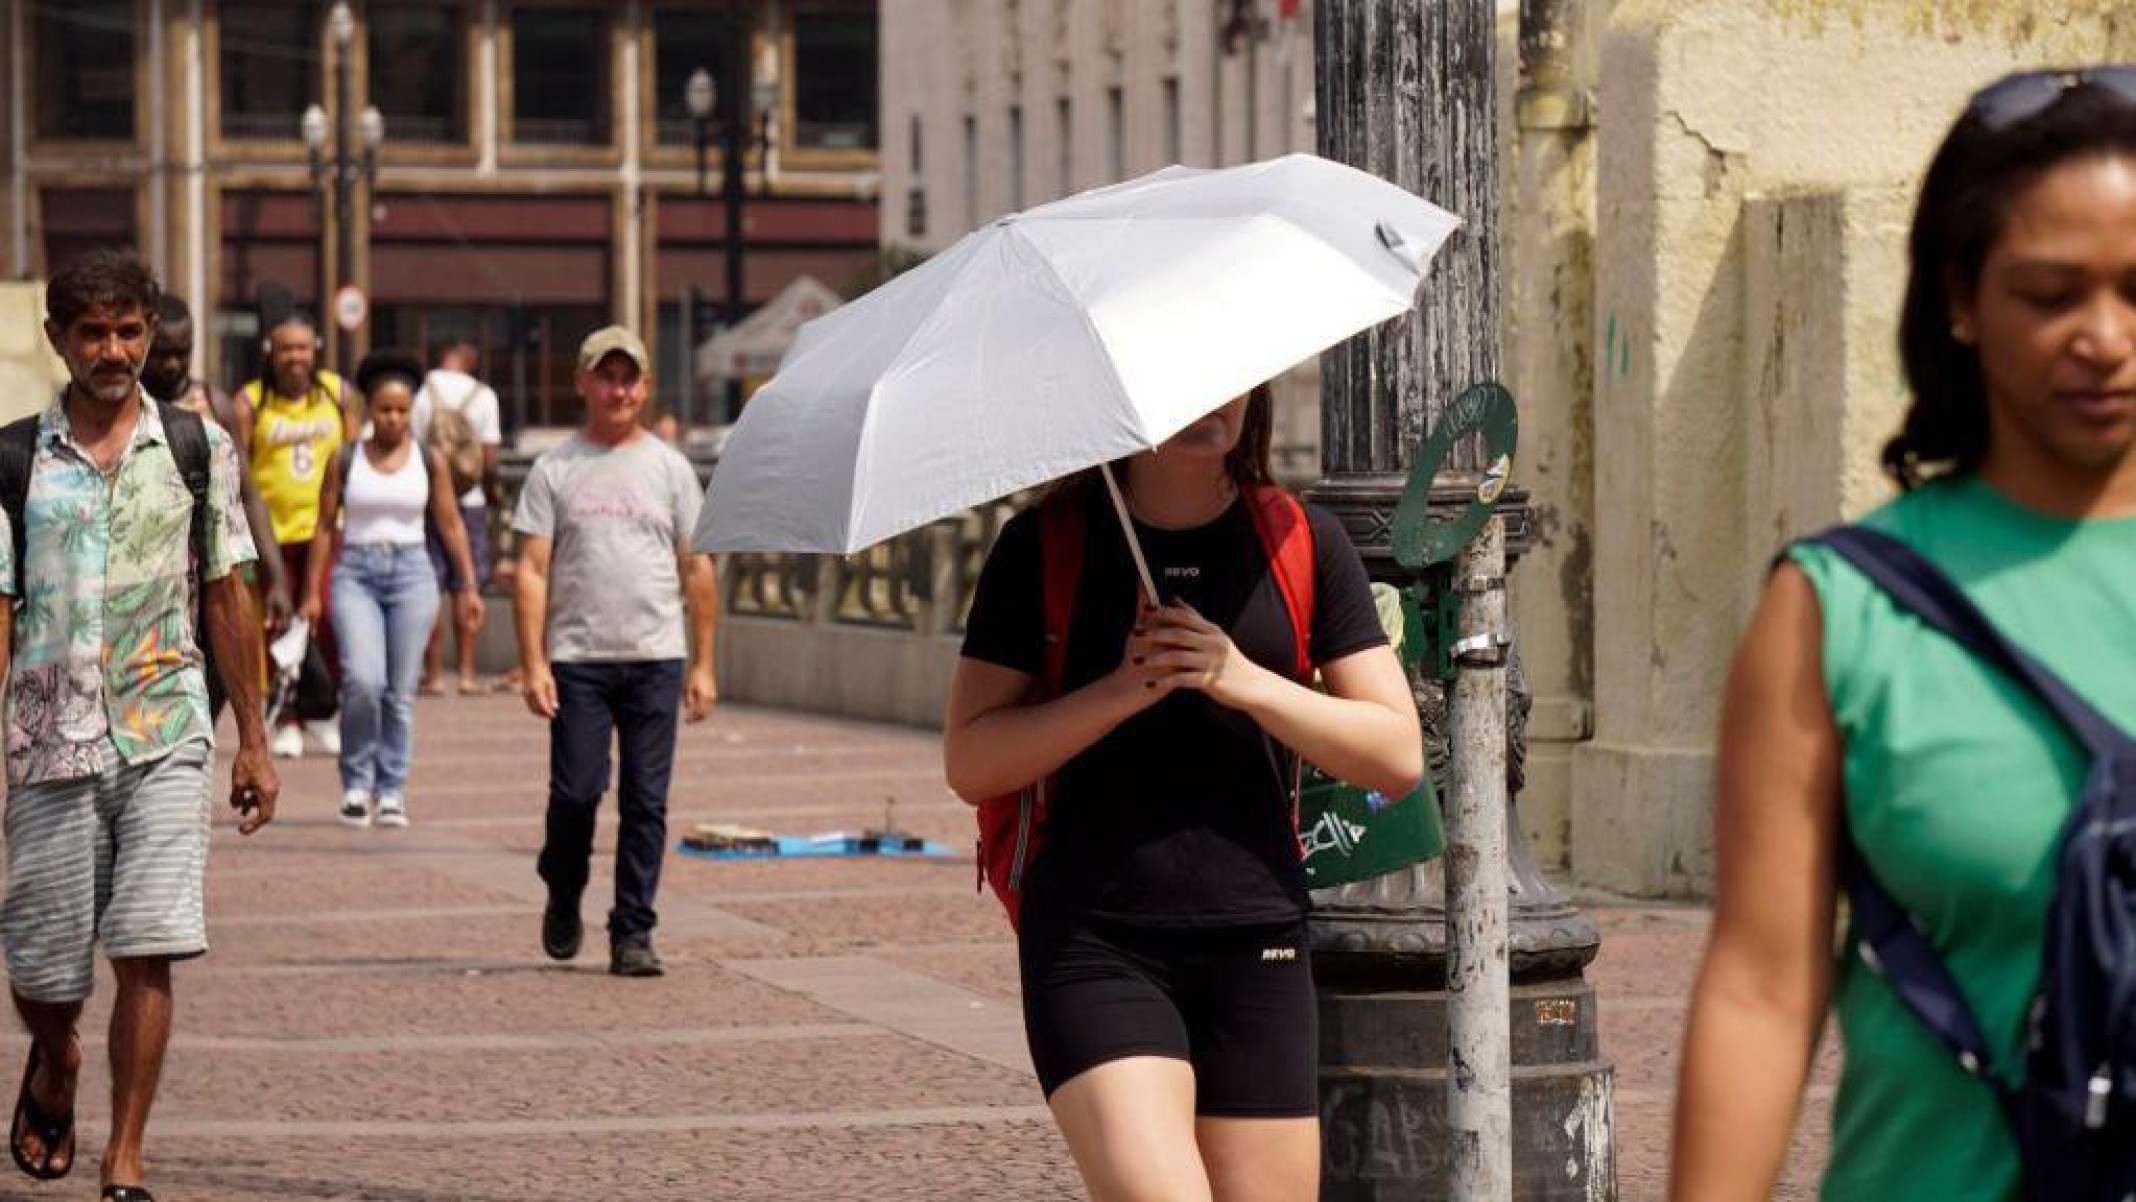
<point x="1181" y="816"/>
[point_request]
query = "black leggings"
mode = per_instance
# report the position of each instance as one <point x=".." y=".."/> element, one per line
<point x="1234" y="1002"/>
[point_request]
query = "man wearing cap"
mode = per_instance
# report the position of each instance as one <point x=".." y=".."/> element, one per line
<point x="604" y="572"/>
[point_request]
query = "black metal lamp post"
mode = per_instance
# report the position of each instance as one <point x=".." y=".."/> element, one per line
<point x="699" y="96"/>
<point x="346" y="168"/>
<point x="1406" y="88"/>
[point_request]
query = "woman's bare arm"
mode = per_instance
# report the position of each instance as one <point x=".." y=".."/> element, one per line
<point x="1759" y="1002"/>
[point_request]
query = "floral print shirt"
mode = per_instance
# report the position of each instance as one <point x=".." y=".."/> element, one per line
<point x="106" y="665"/>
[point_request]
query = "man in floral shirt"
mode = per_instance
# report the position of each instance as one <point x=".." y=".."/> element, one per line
<point x="109" y="743"/>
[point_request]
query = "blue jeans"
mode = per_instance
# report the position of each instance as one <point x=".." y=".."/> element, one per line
<point x="385" y="598"/>
<point x="637" y="703"/>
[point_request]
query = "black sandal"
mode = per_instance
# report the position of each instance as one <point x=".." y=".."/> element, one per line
<point x="30" y="1119"/>
<point x="128" y="1193"/>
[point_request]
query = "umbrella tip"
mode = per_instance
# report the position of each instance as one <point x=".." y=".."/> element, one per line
<point x="1399" y="246"/>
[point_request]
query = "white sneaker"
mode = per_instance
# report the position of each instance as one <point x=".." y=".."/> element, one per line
<point x="288" y="744"/>
<point x="326" y="735"/>
<point x="356" y="809"/>
<point x="392" y="810"/>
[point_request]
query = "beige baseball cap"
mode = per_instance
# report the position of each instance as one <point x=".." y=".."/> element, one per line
<point x="609" y="340"/>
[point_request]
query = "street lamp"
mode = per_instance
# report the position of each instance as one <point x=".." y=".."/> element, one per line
<point x="700" y="96"/>
<point x="346" y="167"/>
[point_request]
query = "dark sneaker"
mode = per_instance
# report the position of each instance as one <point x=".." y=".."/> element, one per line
<point x="635" y="958"/>
<point x="561" y="932"/>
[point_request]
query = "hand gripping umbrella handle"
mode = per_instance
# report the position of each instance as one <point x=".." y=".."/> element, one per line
<point x="1127" y="527"/>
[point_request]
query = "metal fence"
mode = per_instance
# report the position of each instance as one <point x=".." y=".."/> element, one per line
<point x="921" y="581"/>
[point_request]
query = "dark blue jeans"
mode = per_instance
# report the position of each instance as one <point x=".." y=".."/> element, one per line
<point x="637" y="702"/>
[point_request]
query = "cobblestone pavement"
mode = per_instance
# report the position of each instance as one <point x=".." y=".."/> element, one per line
<point x="377" y="1021"/>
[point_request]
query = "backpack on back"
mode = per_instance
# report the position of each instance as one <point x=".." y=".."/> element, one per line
<point x="2074" y="1113"/>
<point x="1012" y="826"/>
<point x="452" y="436"/>
<point x="187" y="437"/>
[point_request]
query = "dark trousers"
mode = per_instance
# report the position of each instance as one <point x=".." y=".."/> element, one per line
<point x="318" y="695"/>
<point x="637" y="701"/>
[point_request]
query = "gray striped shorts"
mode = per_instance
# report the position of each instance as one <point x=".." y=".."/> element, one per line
<point x="119" y="858"/>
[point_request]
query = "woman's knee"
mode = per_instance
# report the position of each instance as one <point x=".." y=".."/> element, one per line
<point x="1130" y="1125"/>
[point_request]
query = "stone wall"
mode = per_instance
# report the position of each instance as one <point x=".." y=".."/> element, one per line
<point x="1756" y="164"/>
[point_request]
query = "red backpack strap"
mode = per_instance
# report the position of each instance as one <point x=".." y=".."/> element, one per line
<point x="1287" y="537"/>
<point x="1060" y="541"/>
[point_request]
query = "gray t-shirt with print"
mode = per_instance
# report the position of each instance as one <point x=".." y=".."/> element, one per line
<point x="615" y="517"/>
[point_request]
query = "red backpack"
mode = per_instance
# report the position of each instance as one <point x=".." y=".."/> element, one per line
<point x="1013" y="825"/>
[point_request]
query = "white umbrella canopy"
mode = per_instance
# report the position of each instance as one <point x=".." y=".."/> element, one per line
<point x="1059" y="338"/>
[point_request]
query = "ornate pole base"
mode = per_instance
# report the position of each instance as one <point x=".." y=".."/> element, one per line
<point x="1379" y="957"/>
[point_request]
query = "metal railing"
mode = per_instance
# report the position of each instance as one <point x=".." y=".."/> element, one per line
<point x="921" y="581"/>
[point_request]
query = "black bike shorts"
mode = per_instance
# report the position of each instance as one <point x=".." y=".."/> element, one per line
<point x="1234" y="1002"/>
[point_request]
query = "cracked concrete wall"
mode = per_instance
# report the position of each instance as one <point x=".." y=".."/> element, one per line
<point x="1744" y="377"/>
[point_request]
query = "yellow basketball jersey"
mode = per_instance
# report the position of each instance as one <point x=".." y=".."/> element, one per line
<point x="291" y="443"/>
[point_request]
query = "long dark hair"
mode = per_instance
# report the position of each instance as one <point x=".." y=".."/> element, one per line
<point x="1247" y="464"/>
<point x="1965" y="201"/>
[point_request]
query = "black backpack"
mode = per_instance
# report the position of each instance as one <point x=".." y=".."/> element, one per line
<point x="2074" y="1115"/>
<point x="187" y="436"/>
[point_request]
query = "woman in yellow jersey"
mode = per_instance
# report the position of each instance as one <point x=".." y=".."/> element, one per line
<point x="293" y="420"/>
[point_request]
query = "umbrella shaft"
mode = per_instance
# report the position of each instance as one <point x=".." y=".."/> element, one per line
<point x="1127" y="527"/>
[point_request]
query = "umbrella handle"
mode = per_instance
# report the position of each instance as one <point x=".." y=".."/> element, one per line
<point x="1127" y="527"/>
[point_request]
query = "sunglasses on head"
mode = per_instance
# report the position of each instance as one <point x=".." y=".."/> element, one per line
<point x="2020" y="97"/>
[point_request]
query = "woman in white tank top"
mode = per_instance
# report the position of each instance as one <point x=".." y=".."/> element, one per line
<point x="383" y="595"/>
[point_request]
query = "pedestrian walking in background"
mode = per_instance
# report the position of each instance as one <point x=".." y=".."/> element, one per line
<point x="1855" y="728"/>
<point x="294" y="421"/>
<point x="120" y="513"/>
<point x="385" y="596"/>
<point x="1167" y="985"/>
<point x="168" y="376"/>
<point x="458" y="416"/>
<point x="603" y="576"/>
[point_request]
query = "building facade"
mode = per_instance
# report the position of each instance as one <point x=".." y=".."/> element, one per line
<point x="992" y="106"/>
<point x="540" y="172"/>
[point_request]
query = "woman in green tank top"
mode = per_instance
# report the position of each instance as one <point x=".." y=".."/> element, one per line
<point x="2018" y="465"/>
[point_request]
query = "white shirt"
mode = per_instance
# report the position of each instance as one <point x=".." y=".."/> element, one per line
<point x="458" y="391"/>
<point x="385" y="507"/>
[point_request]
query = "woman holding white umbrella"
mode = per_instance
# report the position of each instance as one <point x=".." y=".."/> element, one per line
<point x="1132" y="747"/>
<point x="1168" y="990"/>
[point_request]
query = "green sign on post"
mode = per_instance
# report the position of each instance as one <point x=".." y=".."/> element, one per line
<point x="1349" y="834"/>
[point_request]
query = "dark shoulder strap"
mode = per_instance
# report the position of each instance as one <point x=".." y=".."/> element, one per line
<point x="1061" y="526"/>
<point x="1888" y="941"/>
<point x="18" y="456"/>
<point x="187" y="436"/>
<point x="1922" y="589"/>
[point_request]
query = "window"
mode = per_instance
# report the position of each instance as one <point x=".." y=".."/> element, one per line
<point x="1064" y="120"/>
<point x="917" y="158"/>
<point x="560" y="76"/>
<point x="834" y="80"/>
<point x="1171" y="120"/>
<point x="85" y="69"/>
<point x="1016" y="157"/>
<point x="1115" y="135"/>
<point x="270" y="66"/>
<point x="971" y="172"/>
<point x="684" y="42"/>
<point x="419" y="69"/>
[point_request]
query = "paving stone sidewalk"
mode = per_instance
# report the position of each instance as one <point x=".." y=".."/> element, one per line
<point x="377" y="1021"/>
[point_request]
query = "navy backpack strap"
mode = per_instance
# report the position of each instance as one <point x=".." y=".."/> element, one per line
<point x="1923" y="590"/>
<point x="187" y="435"/>
<point x="1888" y="941"/>
<point x="1895" y="949"/>
<point x="18" y="457"/>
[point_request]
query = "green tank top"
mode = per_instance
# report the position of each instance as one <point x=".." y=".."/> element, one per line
<point x="1957" y="784"/>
